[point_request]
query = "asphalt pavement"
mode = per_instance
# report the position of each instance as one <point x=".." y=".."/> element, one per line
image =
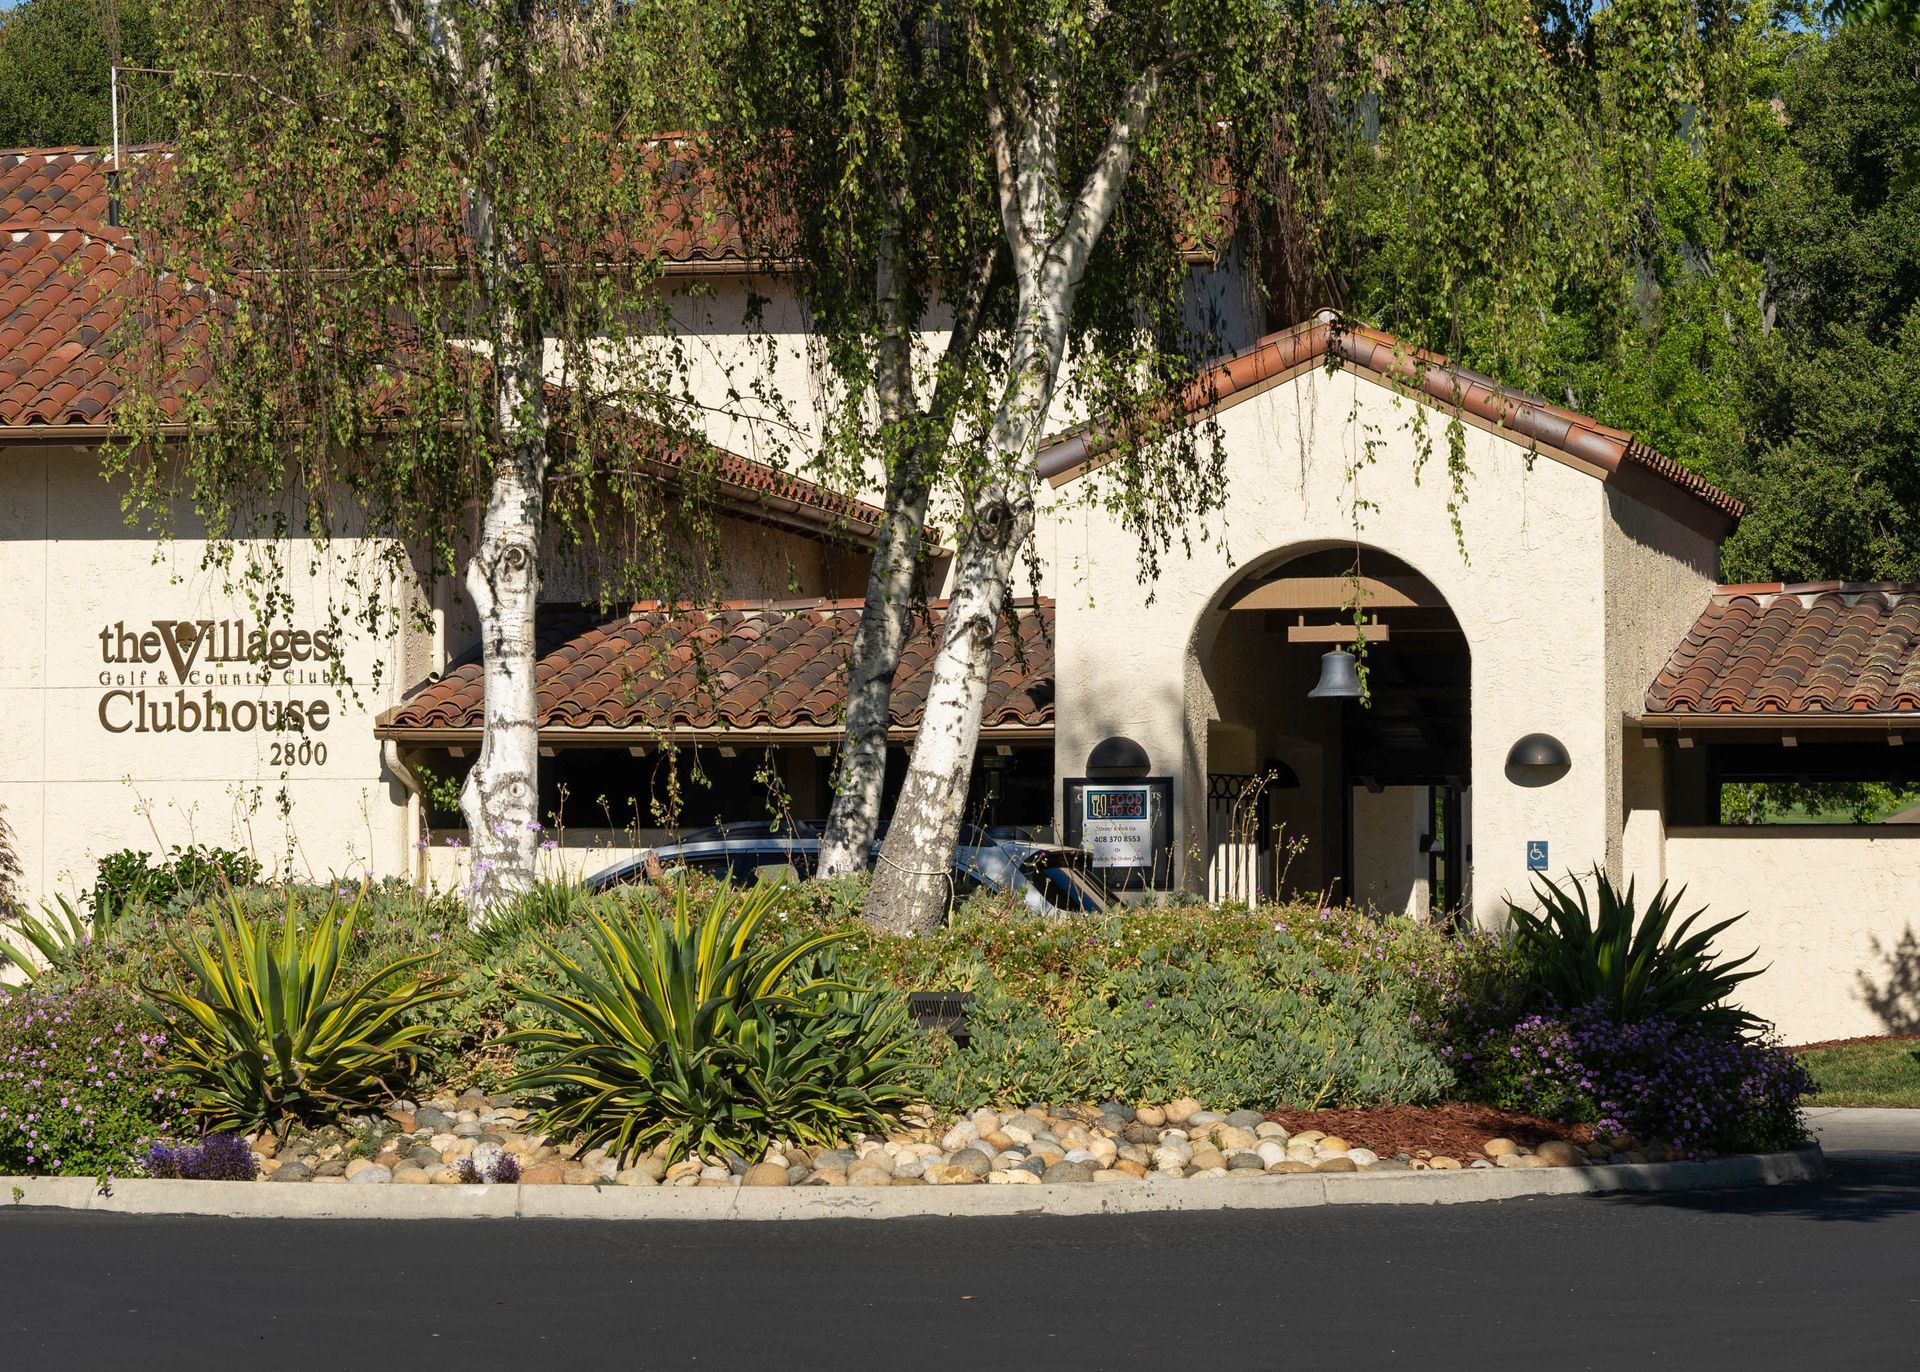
<point x="1795" y="1277"/>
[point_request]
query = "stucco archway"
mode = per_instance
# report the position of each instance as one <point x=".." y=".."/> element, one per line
<point x="1296" y="796"/>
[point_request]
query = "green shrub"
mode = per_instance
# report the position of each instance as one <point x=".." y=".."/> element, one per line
<point x="271" y="1028"/>
<point x="130" y="876"/>
<point x="1273" y="1026"/>
<point x="83" y="1087"/>
<point x="1636" y="966"/>
<point x="685" y="1028"/>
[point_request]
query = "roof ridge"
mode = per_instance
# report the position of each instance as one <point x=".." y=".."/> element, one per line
<point x="1077" y="450"/>
<point x="1756" y="589"/>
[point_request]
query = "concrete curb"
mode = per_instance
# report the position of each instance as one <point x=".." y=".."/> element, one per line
<point x="305" y="1201"/>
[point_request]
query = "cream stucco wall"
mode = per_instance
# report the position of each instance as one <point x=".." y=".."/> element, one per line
<point x="1527" y="591"/>
<point x="79" y="778"/>
<point x="1831" y="910"/>
<point x="1659" y="575"/>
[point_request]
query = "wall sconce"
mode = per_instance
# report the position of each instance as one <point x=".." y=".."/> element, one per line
<point x="1119" y="754"/>
<point x="1537" y="760"/>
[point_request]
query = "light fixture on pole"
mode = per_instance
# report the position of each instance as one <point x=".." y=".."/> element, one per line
<point x="1339" y="677"/>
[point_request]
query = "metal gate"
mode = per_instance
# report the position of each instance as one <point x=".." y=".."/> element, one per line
<point x="1240" y="851"/>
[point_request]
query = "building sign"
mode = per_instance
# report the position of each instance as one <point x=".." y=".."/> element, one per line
<point x="1124" y="827"/>
<point x="1536" y="855"/>
<point x="1116" y="826"/>
<point x="214" y="676"/>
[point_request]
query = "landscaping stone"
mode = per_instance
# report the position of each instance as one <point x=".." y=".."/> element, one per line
<point x="1068" y="1172"/>
<point x="1152" y="1116"/>
<point x="371" y="1175"/>
<point x="1178" y="1112"/>
<point x="1500" y="1148"/>
<point x="1559" y="1153"/>
<point x="766" y="1174"/>
<point x="973" y="1162"/>
<point x="293" y="1171"/>
<point x="1339" y="1164"/>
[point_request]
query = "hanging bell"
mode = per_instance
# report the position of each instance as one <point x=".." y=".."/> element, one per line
<point x="1339" y="677"/>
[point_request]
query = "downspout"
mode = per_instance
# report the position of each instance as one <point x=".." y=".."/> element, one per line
<point x="416" y="861"/>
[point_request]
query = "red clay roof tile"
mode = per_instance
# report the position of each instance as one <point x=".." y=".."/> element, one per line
<point x="653" y="671"/>
<point x="1816" y="648"/>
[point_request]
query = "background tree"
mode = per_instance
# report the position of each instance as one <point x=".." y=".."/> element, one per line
<point x="428" y="237"/>
<point x="54" y="61"/>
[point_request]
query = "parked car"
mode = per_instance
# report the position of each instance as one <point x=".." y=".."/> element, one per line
<point x="1049" y="880"/>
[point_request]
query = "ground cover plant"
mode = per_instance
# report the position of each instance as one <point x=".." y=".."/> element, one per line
<point x="84" y="1089"/>
<point x="1617" y="1018"/>
<point x="605" y="1008"/>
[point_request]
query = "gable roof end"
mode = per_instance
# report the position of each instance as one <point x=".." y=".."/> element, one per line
<point x="1613" y="455"/>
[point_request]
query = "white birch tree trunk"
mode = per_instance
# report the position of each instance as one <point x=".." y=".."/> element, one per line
<point x="501" y="797"/>
<point x="1051" y="242"/>
<point x="875" y="657"/>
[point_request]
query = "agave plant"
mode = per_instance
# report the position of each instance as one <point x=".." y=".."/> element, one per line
<point x="690" y="1028"/>
<point x="58" y="935"/>
<point x="1637" y="965"/>
<point x="270" y="1030"/>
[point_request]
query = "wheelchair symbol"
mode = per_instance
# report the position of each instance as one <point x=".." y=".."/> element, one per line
<point x="1537" y="855"/>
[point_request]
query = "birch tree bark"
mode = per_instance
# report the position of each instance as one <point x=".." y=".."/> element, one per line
<point x="1050" y="240"/>
<point x="916" y="442"/>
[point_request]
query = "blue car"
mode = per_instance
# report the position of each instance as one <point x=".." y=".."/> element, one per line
<point x="1049" y="880"/>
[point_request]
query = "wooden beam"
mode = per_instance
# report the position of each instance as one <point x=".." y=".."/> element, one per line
<point x="1339" y="593"/>
<point x="1303" y="632"/>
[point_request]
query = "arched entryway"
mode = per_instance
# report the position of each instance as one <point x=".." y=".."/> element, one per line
<point x="1366" y="800"/>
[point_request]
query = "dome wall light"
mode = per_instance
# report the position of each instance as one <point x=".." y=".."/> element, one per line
<point x="1537" y="760"/>
<point x="1119" y="754"/>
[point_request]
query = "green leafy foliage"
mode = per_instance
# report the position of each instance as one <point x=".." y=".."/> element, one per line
<point x="84" y="1088"/>
<point x="54" y="61"/>
<point x="198" y="870"/>
<point x="1271" y="1026"/>
<point x="60" y="935"/>
<point x="1636" y="964"/>
<point x="686" y="1028"/>
<point x="267" y="1029"/>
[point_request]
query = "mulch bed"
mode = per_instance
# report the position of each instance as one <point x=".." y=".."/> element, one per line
<point x="1847" y="1043"/>
<point x="1458" y="1131"/>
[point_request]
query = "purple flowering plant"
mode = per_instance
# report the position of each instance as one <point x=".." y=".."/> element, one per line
<point x="1687" y="1085"/>
<point x="217" y="1157"/>
<point x="83" y="1091"/>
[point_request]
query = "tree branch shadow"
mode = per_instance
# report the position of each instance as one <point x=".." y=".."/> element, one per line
<point x="1895" y="997"/>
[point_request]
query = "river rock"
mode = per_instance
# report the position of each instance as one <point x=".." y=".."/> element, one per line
<point x="1152" y="1116"/>
<point x="1500" y="1148"/>
<point x="293" y="1171"/>
<point x="972" y="1161"/>
<point x="372" y="1175"/>
<point x="1181" y="1110"/>
<point x="1440" y="1162"/>
<point x="766" y="1174"/>
<point x="1342" y="1163"/>
<point x="1560" y="1153"/>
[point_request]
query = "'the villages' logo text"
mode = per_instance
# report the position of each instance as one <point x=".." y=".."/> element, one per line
<point x="206" y="653"/>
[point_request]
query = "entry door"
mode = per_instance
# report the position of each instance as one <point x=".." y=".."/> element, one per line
<point x="1408" y="848"/>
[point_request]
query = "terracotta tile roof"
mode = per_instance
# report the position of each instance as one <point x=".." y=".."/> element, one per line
<point x="66" y="187"/>
<point x="62" y="294"/>
<point x="1828" y="647"/>
<point x="64" y="289"/>
<point x="1620" y="458"/>
<point x="740" y="667"/>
